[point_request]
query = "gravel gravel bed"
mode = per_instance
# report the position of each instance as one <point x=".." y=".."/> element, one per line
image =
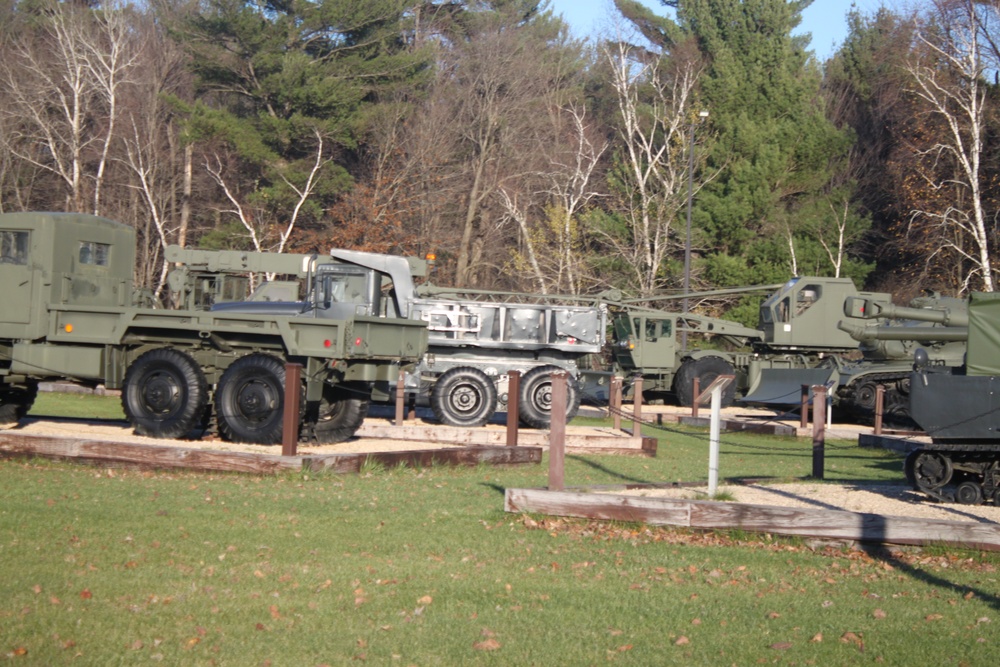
<point x="885" y="499"/>
<point x="122" y="432"/>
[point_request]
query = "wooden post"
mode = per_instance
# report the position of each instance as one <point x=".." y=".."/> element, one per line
<point x="804" y="412"/>
<point x="513" y="406"/>
<point x="696" y="392"/>
<point x="819" y="430"/>
<point x="400" y="398"/>
<point x="879" y="407"/>
<point x="290" y="417"/>
<point x="637" y="407"/>
<point x="557" y="432"/>
<point x="616" y="401"/>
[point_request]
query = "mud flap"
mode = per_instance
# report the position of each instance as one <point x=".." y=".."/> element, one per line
<point x="783" y="386"/>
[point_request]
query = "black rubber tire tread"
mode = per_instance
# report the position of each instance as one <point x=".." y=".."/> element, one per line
<point x="535" y="401"/>
<point x="464" y="396"/>
<point x="16" y="403"/>
<point x="706" y="369"/>
<point x="250" y="400"/>
<point x="340" y="414"/>
<point x="164" y="394"/>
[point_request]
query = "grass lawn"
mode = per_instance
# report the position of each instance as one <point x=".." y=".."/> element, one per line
<point x="422" y="567"/>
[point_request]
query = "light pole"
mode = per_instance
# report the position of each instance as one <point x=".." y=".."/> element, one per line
<point x="702" y="115"/>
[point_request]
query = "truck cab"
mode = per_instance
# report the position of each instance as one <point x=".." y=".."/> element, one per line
<point x="60" y="259"/>
<point x="803" y="314"/>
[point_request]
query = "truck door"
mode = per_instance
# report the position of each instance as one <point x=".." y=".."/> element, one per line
<point x="15" y="276"/>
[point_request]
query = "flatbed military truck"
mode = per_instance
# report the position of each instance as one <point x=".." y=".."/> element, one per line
<point x="473" y="345"/>
<point x="66" y="313"/>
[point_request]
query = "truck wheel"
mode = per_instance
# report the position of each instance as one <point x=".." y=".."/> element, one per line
<point x="15" y="403"/>
<point x="339" y="414"/>
<point x="536" y="397"/>
<point x="706" y="369"/>
<point x="464" y="396"/>
<point x="164" y="394"/>
<point x="250" y="400"/>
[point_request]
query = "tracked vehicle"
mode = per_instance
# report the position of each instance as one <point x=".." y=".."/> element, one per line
<point x="959" y="408"/>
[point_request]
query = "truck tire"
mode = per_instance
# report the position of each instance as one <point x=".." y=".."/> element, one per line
<point x="706" y="369"/>
<point x="464" y="396"/>
<point x="165" y="394"/>
<point x="535" y="410"/>
<point x="339" y="414"/>
<point x="16" y="403"/>
<point x="250" y="400"/>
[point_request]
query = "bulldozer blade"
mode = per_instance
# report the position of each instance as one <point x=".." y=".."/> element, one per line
<point x="783" y="386"/>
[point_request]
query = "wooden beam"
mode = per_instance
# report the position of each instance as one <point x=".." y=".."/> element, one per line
<point x="144" y="456"/>
<point x="704" y="514"/>
<point x="422" y="458"/>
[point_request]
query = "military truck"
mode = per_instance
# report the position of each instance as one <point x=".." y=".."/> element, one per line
<point x="66" y="314"/>
<point x="959" y="408"/>
<point x="473" y="345"/>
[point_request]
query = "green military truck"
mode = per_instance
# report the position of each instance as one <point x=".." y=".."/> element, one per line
<point x="66" y="313"/>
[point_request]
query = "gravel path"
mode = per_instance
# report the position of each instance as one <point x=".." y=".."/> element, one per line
<point x="885" y="499"/>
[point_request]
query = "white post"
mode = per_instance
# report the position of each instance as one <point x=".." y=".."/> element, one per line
<point x="713" y="440"/>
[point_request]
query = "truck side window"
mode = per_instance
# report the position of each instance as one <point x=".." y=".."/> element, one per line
<point x="94" y="253"/>
<point x="13" y="247"/>
<point x="807" y="297"/>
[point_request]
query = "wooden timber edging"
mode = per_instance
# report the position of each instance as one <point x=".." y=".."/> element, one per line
<point x="160" y="456"/>
<point x="734" y="425"/>
<point x="596" y="440"/>
<point x="707" y="514"/>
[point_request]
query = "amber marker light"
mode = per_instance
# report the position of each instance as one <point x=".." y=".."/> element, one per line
<point x="68" y="328"/>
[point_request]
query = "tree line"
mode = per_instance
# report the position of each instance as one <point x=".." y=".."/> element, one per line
<point x="702" y="135"/>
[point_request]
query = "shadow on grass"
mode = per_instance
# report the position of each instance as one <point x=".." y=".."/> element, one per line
<point x="882" y="553"/>
<point x="608" y="471"/>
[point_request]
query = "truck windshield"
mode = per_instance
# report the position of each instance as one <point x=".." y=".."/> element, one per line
<point x="778" y="302"/>
<point x="341" y="284"/>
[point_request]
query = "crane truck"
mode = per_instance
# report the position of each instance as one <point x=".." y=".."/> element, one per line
<point x="67" y="313"/>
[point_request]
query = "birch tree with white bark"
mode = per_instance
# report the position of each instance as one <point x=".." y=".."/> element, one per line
<point x="947" y="75"/>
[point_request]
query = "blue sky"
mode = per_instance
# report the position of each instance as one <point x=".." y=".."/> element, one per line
<point x="825" y="19"/>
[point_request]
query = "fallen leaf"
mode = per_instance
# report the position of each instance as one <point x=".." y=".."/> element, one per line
<point x="773" y="615"/>
<point x="682" y="641"/>
<point x="20" y="650"/>
<point x="274" y="611"/>
<point x="878" y="613"/>
<point x="425" y="600"/>
<point x="86" y="594"/>
<point x="37" y="589"/>
<point x="933" y="617"/>
<point x="969" y="595"/>
<point x="781" y="646"/>
<point x="624" y="647"/>
<point x="487" y="645"/>
<point x="136" y="645"/>
<point x="850" y="638"/>
<point x="817" y="638"/>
